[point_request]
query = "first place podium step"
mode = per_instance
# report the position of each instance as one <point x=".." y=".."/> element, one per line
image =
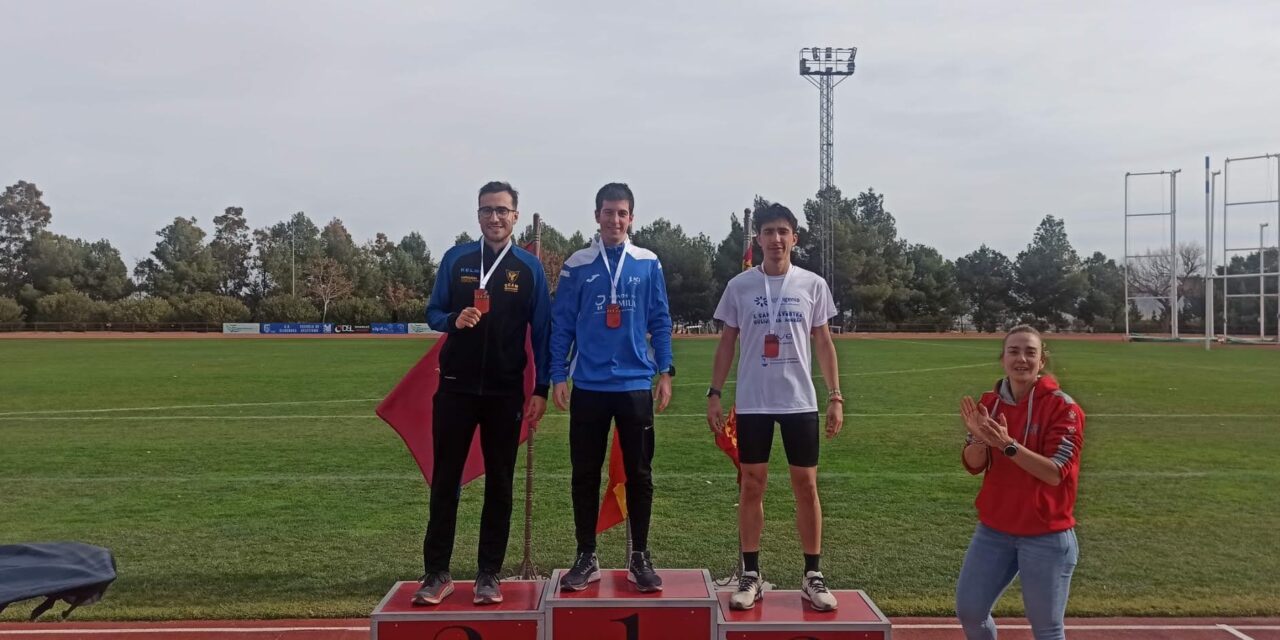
<point x="612" y="609"/>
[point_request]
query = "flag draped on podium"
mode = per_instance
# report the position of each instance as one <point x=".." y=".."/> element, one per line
<point x="408" y="410"/>
<point x="613" y="507"/>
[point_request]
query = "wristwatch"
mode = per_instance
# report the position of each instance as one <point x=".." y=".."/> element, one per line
<point x="1011" y="449"/>
<point x="671" y="370"/>
<point x="713" y="392"/>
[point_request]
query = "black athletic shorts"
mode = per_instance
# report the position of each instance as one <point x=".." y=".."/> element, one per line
<point x="799" y="437"/>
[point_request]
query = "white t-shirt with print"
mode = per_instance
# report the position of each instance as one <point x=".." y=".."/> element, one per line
<point x="784" y="384"/>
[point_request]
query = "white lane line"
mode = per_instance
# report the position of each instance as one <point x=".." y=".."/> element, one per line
<point x="187" y="406"/>
<point x="241" y="630"/>
<point x="172" y="630"/>
<point x="1229" y="629"/>
<point x="561" y="416"/>
<point x="1084" y="627"/>
<point x="858" y="374"/>
<point x="360" y="416"/>
<point x="941" y="342"/>
<point x="404" y="477"/>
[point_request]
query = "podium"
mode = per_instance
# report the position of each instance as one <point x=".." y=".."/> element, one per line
<point x="687" y="608"/>
<point x="518" y="617"/>
<point x="612" y="609"/>
<point x="784" y="615"/>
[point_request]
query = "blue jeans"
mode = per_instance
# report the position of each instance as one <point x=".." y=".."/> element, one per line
<point x="994" y="558"/>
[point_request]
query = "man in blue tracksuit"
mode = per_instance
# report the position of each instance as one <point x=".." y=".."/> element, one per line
<point x="488" y="296"/>
<point x="610" y="296"/>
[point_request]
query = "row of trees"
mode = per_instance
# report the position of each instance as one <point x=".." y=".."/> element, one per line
<point x="296" y="271"/>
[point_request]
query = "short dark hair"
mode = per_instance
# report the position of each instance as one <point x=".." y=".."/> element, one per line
<point x="774" y="212"/>
<point x="615" y="191"/>
<point x="499" y="187"/>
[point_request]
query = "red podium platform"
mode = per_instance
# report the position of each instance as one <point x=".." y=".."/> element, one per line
<point x="518" y="617"/>
<point x="784" y="615"/>
<point x="611" y="609"/>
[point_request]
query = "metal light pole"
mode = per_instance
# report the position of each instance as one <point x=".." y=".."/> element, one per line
<point x="1210" y="320"/>
<point x="1262" y="283"/>
<point x="824" y="68"/>
<point x="293" y="258"/>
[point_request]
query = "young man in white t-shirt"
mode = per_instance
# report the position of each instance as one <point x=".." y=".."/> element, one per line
<point x="775" y="309"/>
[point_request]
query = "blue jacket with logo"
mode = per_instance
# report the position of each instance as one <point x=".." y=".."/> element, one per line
<point x="584" y="348"/>
<point x="489" y="358"/>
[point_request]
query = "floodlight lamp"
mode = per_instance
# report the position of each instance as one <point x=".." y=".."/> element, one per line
<point x="828" y="53"/>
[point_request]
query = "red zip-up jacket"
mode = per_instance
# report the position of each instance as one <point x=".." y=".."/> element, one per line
<point x="1014" y="501"/>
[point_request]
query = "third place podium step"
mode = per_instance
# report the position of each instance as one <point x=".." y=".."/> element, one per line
<point x="784" y="615"/>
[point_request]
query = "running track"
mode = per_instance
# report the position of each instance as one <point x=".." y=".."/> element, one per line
<point x="904" y="629"/>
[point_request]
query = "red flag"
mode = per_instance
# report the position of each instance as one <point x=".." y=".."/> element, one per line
<point x="728" y="441"/>
<point x="613" y="508"/>
<point x="408" y="410"/>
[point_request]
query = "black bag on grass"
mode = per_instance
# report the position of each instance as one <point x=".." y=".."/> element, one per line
<point x="70" y="571"/>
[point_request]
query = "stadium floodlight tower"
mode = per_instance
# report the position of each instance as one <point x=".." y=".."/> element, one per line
<point x="826" y="67"/>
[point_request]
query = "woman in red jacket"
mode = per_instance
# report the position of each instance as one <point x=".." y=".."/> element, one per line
<point x="1025" y="437"/>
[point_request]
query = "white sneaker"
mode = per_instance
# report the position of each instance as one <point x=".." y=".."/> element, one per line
<point x="814" y="589"/>
<point x="750" y="589"/>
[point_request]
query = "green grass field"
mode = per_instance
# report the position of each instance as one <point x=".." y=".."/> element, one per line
<point x="250" y="478"/>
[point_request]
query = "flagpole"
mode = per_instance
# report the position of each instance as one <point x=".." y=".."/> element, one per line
<point x="732" y="578"/>
<point x="527" y="569"/>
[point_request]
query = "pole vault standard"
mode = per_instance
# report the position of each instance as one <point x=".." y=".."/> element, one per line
<point x="1172" y="213"/>
<point x="1211" y="200"/>
<point x="1262" y="274"/>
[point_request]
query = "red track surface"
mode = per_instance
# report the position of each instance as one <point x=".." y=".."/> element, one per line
<point x="903" y="629"/>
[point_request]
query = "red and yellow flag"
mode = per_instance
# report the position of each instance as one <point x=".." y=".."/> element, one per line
<point x="613" y="507"/>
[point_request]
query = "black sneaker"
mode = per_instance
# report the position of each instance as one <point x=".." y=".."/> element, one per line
<point x="585" y="570"/>
<point x="642" y="574"/>
<point x="487" y="590"/>
<point x="436" y="586"/>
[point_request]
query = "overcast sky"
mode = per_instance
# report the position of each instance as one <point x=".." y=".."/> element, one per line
<point x="974" y="118"/>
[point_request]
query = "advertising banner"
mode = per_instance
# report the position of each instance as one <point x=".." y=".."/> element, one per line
<point x="297" y="327"/>
<point x="241" y="327"/>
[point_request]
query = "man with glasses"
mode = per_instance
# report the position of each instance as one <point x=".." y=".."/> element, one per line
<point x="487" y="295"/>
<point x="611" y="316"/>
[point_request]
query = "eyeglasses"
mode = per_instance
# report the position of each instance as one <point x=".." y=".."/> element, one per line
<point x="502" y="212"/>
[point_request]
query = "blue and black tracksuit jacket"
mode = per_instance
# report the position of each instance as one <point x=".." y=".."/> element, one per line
<point x="489" y="358"/>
